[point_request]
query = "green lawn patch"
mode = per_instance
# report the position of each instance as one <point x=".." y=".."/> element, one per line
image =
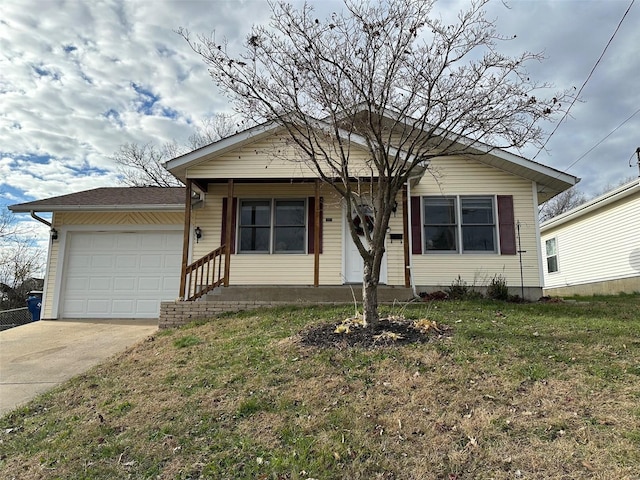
<point x="512" y="391"/>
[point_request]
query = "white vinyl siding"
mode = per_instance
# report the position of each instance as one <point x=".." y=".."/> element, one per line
<point x="598" y="246"/>
<point x="272" y="157"/>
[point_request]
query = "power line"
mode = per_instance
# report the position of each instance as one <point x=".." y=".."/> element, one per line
<point x="607" y="136"/>
<point x="586" y="81"/>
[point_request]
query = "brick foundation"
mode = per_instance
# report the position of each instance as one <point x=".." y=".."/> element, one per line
<point x="175" y="314"/>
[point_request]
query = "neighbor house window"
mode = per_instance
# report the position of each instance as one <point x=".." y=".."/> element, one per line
<point x="272" y="226"/>
<point x="459" y="224"/>
<point x="552" y="255"/>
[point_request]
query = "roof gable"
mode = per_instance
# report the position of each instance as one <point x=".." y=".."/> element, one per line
<point x="549" y="181"/>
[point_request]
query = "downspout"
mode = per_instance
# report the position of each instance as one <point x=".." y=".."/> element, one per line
<point x="53" y="231"/>
<point x="410" y="239"/>
<point x="40" y="219"/>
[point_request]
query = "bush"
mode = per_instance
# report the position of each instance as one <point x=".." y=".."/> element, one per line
<point x="458" y="289"/>
<point x="498" y="289"/>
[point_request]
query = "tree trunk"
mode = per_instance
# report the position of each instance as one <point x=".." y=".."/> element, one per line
<point x="370" y="296"/>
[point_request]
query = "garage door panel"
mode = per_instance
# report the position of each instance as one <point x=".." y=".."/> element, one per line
<point x="128" y="241"/>
<point x="100" y="284"/>
<point x="172" y="261"/>
<point x="151" y="261"/>
<point x="126" y="262"/>
<point x="75" y="307"/>
<point x="79" y="261"/>
<point x="120" y="274"/>
<point x="104" y="241"/>
<point x="102" y="261"/>
<point x="147" y="284"/>
<point x="122" y="306"/>
<point x="171" y="284"/>
<point x="147" y="306"/>
<point x="124" y="284"/>
<point x="98" y="306"/>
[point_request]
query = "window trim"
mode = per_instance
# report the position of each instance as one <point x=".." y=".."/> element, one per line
<point x="547" y="257"/>
<point x="459" y="226"/>
<point x="272" y="226"/>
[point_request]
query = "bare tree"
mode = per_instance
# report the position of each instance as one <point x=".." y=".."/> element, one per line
<point x="213" y="128"/>
<point x="140" y="165"/>
<point x="561" y="203"/>
<point x="408" y="86"/>
<point x="572" y="198"/>
<point x="20" y="260"/>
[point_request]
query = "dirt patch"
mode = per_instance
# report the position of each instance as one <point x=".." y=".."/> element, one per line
<point x="388" y="332"/>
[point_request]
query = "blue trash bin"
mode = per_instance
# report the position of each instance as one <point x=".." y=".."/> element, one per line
<point x="34" y="304"/>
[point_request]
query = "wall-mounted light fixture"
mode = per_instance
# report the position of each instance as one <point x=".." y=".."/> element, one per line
<point x="198" y="233"/>
<point x="394" y="207"/>
<point x="54" y="234"/>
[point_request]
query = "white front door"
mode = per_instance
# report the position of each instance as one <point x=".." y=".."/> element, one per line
<point x="353" y="263"/>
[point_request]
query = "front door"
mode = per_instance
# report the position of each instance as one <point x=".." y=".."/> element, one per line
<point x="353" y="263"/>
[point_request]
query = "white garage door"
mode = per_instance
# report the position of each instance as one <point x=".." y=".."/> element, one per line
<point x="120" y="275"/>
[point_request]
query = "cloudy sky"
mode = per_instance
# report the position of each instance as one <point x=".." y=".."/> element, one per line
<point x="80" y="78"/>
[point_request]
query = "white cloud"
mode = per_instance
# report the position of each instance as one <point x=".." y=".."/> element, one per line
<point x="68" y="70"/>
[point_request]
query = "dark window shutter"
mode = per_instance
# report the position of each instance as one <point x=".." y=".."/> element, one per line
<point x="312" y="224"/>
<point x="234" y="213"/>
<point x="507" y="225"/>
<point x="416" y="225"/>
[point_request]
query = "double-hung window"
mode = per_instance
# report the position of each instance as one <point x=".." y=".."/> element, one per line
<point x="459" y="224"/>
<point x="272" y="226"/>
<point x="478" y="224"/>
<point x="440" y="229"/>
<point x="552" y="255"/>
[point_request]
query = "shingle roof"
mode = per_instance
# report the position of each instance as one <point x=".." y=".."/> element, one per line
<point x="110" y="198"/>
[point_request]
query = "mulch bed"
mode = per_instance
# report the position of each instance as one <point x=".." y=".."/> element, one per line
<point x="324" y="335"/>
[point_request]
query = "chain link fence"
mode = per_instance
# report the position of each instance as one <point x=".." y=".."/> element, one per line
<point x="13" y="318"/>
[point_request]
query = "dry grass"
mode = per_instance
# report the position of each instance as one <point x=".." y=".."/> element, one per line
<point x="517" y="391"/>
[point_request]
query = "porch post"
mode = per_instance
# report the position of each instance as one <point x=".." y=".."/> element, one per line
<point x="185" y="239"/>
<point x="316" y="237"/>
<point x="228" y="237"/>
<point x="405" y="235"/>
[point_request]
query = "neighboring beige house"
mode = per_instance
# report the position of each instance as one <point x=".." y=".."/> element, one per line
<point x="595" y="247"/>
<point x="285" y="229"/>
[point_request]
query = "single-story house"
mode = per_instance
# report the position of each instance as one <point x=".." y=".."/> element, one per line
<point x="252" y="216"/>
<point x="595" y="247"/>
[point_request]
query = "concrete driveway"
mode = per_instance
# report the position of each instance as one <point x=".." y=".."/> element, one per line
<point x="37" y="356"/>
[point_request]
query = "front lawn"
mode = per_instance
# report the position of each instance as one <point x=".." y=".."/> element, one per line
<point x="531" y="391"/>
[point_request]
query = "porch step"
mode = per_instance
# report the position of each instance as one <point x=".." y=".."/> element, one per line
<point x="304" y="294"/>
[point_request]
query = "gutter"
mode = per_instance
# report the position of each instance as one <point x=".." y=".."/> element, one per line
<point x="98" y="208"/>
